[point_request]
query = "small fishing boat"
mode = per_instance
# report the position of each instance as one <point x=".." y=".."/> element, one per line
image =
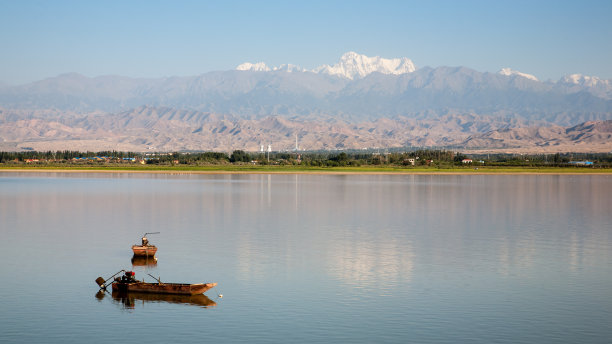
<point x="129" y="283"/>
<point x="145" y="249"/>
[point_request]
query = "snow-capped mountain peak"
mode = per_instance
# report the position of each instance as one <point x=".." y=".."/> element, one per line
<point x="353" y="65"/>
<point x="584" y="80"/>
<point x="256" y="67"/>
<point x="289" y="68"/>
<point x="511" y="72"/>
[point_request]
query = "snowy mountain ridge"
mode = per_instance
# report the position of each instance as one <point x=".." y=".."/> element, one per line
<point x="392" y="88"/>
<point x="354" y="66"/>
<point x="351" y="66"/>
<point x="256" y="67"/>
<point x="585" y="80"/>
<point x="511" y="72"/>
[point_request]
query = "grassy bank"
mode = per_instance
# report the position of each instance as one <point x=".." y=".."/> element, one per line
<point x="288" y="169"/>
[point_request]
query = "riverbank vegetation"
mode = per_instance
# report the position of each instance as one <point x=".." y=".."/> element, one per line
<point x="348" y="161"/>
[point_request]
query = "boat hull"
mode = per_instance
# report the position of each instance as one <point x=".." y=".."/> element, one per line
<point x="163" y="288"/>
<point x="144" y="251"/>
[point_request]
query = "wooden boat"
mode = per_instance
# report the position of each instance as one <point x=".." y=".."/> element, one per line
<point x="128" y="283"/>
<point x="163" y="288"/>
<point x="145" y="249"/>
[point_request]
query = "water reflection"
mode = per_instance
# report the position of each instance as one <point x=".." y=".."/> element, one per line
<point x="375" y="231"/>
<point x="131" y="300"/>
<point x="370" y="261"/>
<point x="482" y="259"/>
<point x="144" y="261"/>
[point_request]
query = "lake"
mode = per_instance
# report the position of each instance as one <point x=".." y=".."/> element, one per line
<point x="309" y="258"/>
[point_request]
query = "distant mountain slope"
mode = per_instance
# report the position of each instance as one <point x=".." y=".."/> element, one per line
<point x="168" y="129"/>
<point x="589" y="134"/>
<point x="357" y="88"/>
<point x="359" y="102"/>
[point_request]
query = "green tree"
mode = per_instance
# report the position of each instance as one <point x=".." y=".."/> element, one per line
<point x="240" y="156"/>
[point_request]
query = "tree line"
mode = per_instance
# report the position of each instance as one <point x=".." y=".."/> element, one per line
<point x="419" y="157"/>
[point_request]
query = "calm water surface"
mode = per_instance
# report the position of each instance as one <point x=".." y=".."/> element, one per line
<point x="310" y="258"/>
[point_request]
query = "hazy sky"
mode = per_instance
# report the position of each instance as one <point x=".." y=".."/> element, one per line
<point x="40" y="39"/>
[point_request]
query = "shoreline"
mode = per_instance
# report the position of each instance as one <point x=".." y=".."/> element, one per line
<point x="519" y="171"/>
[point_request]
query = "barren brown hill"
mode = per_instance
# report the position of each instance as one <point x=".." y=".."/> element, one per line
<point x="592" y="136"/>
<point x="168" y="129"/>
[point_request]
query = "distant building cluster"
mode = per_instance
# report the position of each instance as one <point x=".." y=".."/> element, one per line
<point x="581" y="163"/>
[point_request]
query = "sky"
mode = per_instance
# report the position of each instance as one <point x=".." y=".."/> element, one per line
<point x="549" y="39"/>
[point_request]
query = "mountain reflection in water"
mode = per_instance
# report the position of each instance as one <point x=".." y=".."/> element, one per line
<point x="131" y="299"/>
<point x="311" y="258"/>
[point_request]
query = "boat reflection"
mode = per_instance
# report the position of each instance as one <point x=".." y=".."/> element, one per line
<point x="144" y="261"/>
<point x="131" y="299"/>
<point x="100" y="295"/>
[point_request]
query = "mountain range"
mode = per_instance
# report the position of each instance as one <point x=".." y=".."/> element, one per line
<point x="359" y="102"/>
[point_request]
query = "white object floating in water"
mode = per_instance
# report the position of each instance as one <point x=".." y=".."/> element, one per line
<point x="220" y="296"/>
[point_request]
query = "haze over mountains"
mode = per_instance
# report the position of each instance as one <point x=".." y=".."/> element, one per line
<point x="359" y="102"/>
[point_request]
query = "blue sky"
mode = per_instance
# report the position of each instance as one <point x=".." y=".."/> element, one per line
<point x="549" y="39"/>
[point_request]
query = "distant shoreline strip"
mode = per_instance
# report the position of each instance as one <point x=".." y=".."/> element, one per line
<point x="484" y="172"/>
